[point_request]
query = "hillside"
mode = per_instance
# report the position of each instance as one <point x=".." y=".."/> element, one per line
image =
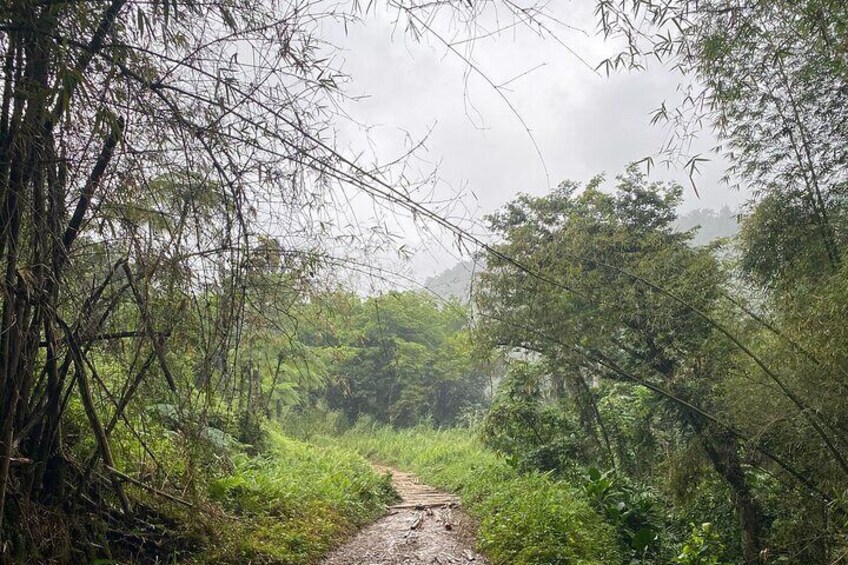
<point x="455" y="283"/>
<point x="710" y="224"/>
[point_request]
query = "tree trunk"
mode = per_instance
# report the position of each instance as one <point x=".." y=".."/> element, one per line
<point x="723" y="452"/>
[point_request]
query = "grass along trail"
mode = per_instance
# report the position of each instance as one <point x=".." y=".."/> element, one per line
<point x="524" y="518"/>
<point x="426" y="526"/>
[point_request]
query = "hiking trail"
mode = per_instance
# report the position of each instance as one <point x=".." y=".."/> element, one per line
<point x="426" y="526"/>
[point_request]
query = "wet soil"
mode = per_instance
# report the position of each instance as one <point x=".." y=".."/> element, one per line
<point x="426" y="526"/>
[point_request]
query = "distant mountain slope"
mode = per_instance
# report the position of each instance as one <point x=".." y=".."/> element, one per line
<point x="455" y="282"/>
<point x="713" y="224"/>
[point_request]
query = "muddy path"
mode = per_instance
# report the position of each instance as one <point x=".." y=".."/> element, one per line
<point x="426" y="526"/>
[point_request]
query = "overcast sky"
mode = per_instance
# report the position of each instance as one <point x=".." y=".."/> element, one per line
<point x="583" y="123"/>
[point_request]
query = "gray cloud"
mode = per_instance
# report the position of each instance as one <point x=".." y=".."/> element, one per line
<point x="583" y="123"/>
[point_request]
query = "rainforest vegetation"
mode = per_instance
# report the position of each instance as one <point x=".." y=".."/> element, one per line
<point x="190" y="373"/>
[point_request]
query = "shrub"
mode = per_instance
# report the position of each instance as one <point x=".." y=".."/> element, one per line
<point x="293" y="502"/>
<point x="702" y="548"/>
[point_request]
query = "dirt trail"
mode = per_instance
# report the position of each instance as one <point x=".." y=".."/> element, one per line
<point x="426" y="526"/>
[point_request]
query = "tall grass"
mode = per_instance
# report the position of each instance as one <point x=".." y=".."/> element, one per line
<point x="292" y="503"/>
<point x="524" y="518"/>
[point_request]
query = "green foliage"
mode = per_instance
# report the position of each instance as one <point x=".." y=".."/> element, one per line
<point x="279" y="502"/>
<point x="165" y="364"/>
<point x="533" y="520"/>
<point x="703" y="547"/>
<point x="291" y="473"/>
<point x="781" y="245"/>
<point x="529" y="428"/>
<point x="292" y="503"/>
<point x="636" y="513"/>
<point x="629" y="363"/>
<point x="399" y="357"/>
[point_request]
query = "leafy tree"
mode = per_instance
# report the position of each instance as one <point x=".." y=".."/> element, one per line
<point x="402" y="359"/>
<point x="770" y="78"/>
<point x="595" y="314"/>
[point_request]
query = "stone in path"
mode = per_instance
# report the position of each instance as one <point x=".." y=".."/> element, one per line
<point x="426" y="526"/>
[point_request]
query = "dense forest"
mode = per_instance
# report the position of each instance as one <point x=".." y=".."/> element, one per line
<point x="190" y="371"/>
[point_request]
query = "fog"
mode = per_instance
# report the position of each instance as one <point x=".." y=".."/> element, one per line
<point x="581" y="122"/>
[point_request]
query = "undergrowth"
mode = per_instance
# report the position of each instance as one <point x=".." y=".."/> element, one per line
<point x="524" y="519"/>
<point x="292" y="503"/>
<point x="279" y="502"/>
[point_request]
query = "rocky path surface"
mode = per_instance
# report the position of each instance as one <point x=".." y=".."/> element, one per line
<point x="426" y="526"/>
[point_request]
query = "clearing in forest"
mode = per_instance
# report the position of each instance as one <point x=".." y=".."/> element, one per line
<point x="426" y="526"/>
